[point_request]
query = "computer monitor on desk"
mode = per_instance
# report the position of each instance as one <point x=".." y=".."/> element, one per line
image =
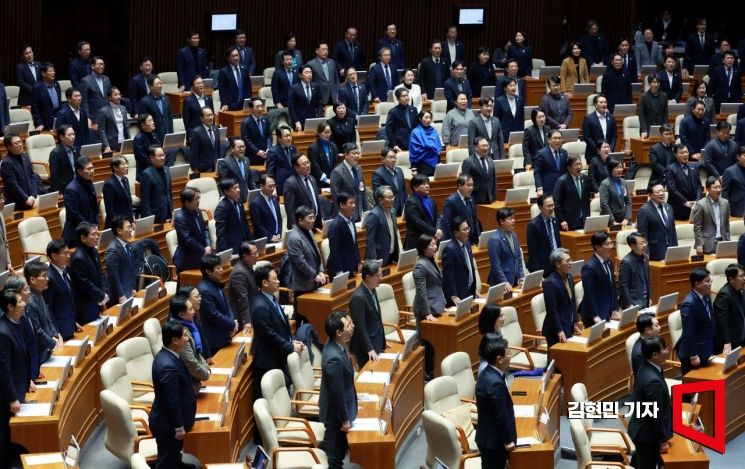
<point x="678" y="253"/>
<point x="667" y="303"/>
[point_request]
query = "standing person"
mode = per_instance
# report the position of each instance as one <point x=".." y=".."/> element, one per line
<point x="155" y="187"/>
<point x="429" y="299"/>
<point x="117" y="195"/>
<point x="733" y="187"/>
<point x="58" y="295"/>
<point x="481" y="169"/>
<point x="420" y="212"/>
<point x="535" y="137"/>
<point x="391" y="41"/>
<point x="231" y="226"/>
<point x="459" y="279"/>
<point x="264" y="210"/>
<point x="598" y="277"/>
<point x="175" y="404"/>
<point x="729" y="308"/>
<point x="190" y="60"/>
<point x="710" y="218"/>
<point x="354" y="94"/>
<point x="242" y="284"/>
<point x="192" y="234"/>
<point x="721" y="152"/>
<point x="342" y="237"/>
<point x="28" y="74"/>
<point x="368" y="339"/>
<point x="456" y="120"/>
<point x="89" y="286"/>
<point x="457" y="83"/>
<point x="549" y="163"/>
<point x="633" y="274"/>
<point x="481" y="72"/>
<point x="433" y="71"/>
<point x="683" y="183"/>
<point x="80" y="66"/>
<point x="120" y="260"/>
<point x="389" y="174"/>
<point x="615" y="199"/>
<point x="661" y="154"/>
<point x="489" y="127"/>
<point x="425" y="145"/>
<point x="555" y="104"/>
<point x="523" y="53"/>
<point x="597" y="125"/>
<point x="381" y="230"/>
<point x="218" y="319"/>
<point x="561" y="321"/>
<point x="401" y="121"/>
<point x="543" y="236"/>
<point x="80" y="201"/>
<point x="572" y="195"/>
<point x="182" y="310"/>
<point x="460" y="203"/>
<point x="347" y="178"/>
<point x="594" y="45"/>
<point x="325" y="74"/>
<point x="696" y="344"/>
<point x="304" y="99"/>
<point x="505" y="255"/>
<point x="655" y="221"/>
<point x="574" y="69"/>
<point x="349" y="52"/>
<point x="305" y="258"/>
<point x="652" y="106"/>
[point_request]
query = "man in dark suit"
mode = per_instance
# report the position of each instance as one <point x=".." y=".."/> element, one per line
<point x="94" y="88"/>
<point x="391" y="41"/>
<point x="457" y="83"/>
<point x="190" y="60"/>
<point x="488" y="126"/>
<point x="696" y="344"/>
<point x="325" y="74"/>
<point x="342" y="235"/>
<point x="671" y="82"/>
<point x="218" y="320"/>
<point x="192" y="234"/>
<point x="89" y="286"/>
<point x="237" y="167"/>
<point x="138" y="85"/>
<point x="420" y="213"/>
<point x="155" y="188"/>
<point x="651" y="434"/>
<point x="461" y="204"/>
<point x="633" y="274"/>
<point x="58" y="295"/>
<point x="175" y="404"/>
<point x="354" y="94"/>
<point x="62" y="159"/>
<point x="264" y="210"/>
<point x="572" y="195"/>
<point x="305" y="99"/>
<point x="279" y="157"/>
<point x="349" y="52"/>
<point x="661" y="154"/>
<point x="117" y="195"/>
<point x="73" y="115"/>
<point x="80" y="201"/>
<point x="120" y="261"/>
<point x="721" y="152"/>
<point x="511" y="73"/>
<point x="505" y="255"/>
<point x="452" y="43"/>
<point x="598" y="277"/>
<point x="481" y="169"/>
<point x="656" y="223"/>
<point x="725" y="82"/>
<point x="556" y="105"/>
<point x="191" y="111"/>
<point x="683" y="184"/>
<point x="543" y="236"/>
<point x="561" y="321"/>
<point x="46" y="98"/>
<point x="388" y="174"/>
<point x="700" y="47"/>
<point x="112" y="122"/>
<point x="729" y="308"/>
<point x="80" y="66"/>
<point x="347" y="178"/>
<point x="733" y="185"/>
<point x="598" y="125"/>
<point x="306" y="264"/>
<point x="282" y="81"/>
<point x="256" y="133"/>
<point x="230" y="218"/>
<point x="28" y="74"/>
<point x="458" y="266"/>
<point x="647" y="326"/>
<point x="496" y="434"/>
<point x="248" y="60"/>
<point x="433" y="70"/>
<point x="401" y="121"/>
<point x="242" y="284"/>
<point x="382" y="77"/>
<point x="338" y="398"/>
<point x="549" y="163"/>
<point x="512" y="121"/>
<point x="368" y="339"/>
<point x="234" y="82"/>
<point x="301" y="189"/>
<point x="381" y="229"/>
<point x="158" y="106"/>
<point x="204" y="146"/>
<point x="616" y="83"/>
<point x="145" y="138"/>
<point x="18" y="177"/>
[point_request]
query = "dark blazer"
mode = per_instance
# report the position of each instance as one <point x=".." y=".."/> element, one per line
<point x="674" y="91"/>
<point x="349" y="55"/>
<point x="14" y="364"/>
<point x="592" y="132"/>
<point x="241" y="287"/>
<point x="729" y="308"/>
<point x="93" y="100"/>
<point x="694" y="133"/>
<point x="18" y="180"/>
<point x="650" y="386"/>
<point x="343" y="130"/>
<point x="723" y="90"/>
<point x="598" y="172"/>
<point x="78" y="69"/>
<point x="682" y="188"/>
<point x="378" y="238"/>
<point x="383" y="177"/>
<point x="660" y="157"/>
<point x="418" y="220"/>
<point x="80" y="205"/>
<point x="186" y="67"/>
<point x="60" y="169"/>
<point x="399" y="124"/>
<point x="477" y="128"/>
<point x="368" y="325"/>
<point x="558" y="110"/>
<point x="658" y="235"/>
<point x="138" y="88"/>
<point x="59" y="299"/>
<point x="539" y="247"/>
<point x="66" y="116"/>
<point x="484" y="183"/>
<point x="695" y="54"/>
<point x="617" y="206"/>
<point x="429" y="297"/>
<point x="499" y="91"/>
<point x="637" y="359"/>
<point x="302" y="109"/>
<point x="344" y="256"/>
<point x="718" y="156"/>
<point x="107" y="130"/>
<point x="272" y="340"/>
<point x="191" y="111"/>
<point x="26" y="82"/>
<point x="451" y="91"/>
<point x="155" y="198"/>
<point x="231" y="226"/>
<point x="432" y="75"/>
<point x="255" y="139"/>
<point x="122" y="270"/>
<point x="459" y="51"/>
<point x="175" y="404"/>
<point x="296" y="194"/>
<point x="343" y="182"/>
<point x="320" y="163"/>
<point x="532" y="142"/>
<point x="454" y="207"/>
<point x="42" y="108"/>
<point x="616" y="87"/>
<point x="360" y="106"/>
<point x="230" y="92"/>
<point x="733" y="189"/>
<point x="264" y="223"/>
<point x="698" y="328"/>
<point x="377" y="83"/>
<point x="193" y="237"/>
<point x="163" y="120"/>
<point x="117" y="200"/>
<point x="329" y="88"/>
<point x="203" y="151"/>
<point x="398" y="58"/>
<point x="455" y="268"/>
<point x="510" y="122"/>
<point x="247" y="58"/>
<point x="506" y="263"/>
<point x="230" y="168"/>
<point x="604" y="298"/>
<point x="217" y="318"/>
<point x="281" y="86"/>
<point x="633" y="281"/>
<point x="89" y="285"/>
<point x="545" y="171"/>
<point x="278" y="164"/>
<point x="561" y="308"/>
<point x="338" y="400"/>
<point x="140" y="143"/>
<point x="496" y="413"/>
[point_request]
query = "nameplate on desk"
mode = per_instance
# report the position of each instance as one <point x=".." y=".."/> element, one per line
<point x="507" y="295"/>
<point x="615" y="228"/>
<point x="34" y="132"/>
<point x="107" y="154"/>
<point x="351" y="285"/>
<point x="534" y="200"/>
<point x="518" y="170"/>
<point x="18" y="216"/>
<point x="386" y="272"/>
<point x="158" y="227"/>
<point x="697" y="258"/>
<point x="270" y="249"/>
<point x="194" y="176"/>
<point x="641" y="192"/>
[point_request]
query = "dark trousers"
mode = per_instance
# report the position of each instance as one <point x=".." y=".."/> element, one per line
<point x="429" y="356"/>
<point x="493" y="458"/>
<point x="424" y="168"/>
<point x="647" y="455"/>
<point x="6" y="447"/>
<point x="169" y="449"/>
<point x="335" y="445"/>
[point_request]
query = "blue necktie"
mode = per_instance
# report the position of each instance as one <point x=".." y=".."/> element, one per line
<point x="129" y="254"/>
<point x="159" y="102"/>
<point x="270" y="203"/>
<point x="239" y="82"/>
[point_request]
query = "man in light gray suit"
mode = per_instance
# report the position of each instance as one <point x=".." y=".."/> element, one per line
<point x="346" y="178"/>
<point x="649" y="51"/>
<point x="112" y="122"/>
<point x="325" y="74"/>
<point x="486" y="125"/>
<point x="381" y="228"/>
<point x="710" y="218"/>
<point x="304" y="255"/>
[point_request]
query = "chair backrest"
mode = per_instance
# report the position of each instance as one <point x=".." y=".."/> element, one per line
<point x="575" y="149"/>
<point x="581" y="443"/>
<point x="382" y="110"/>
<point x="675" y="323"/>
<point x="678" y="118"/>
<point x="210" y="193"/>
<point x="388" y="306"/>
<point x="516" y="153"/>
<point x="716" y="269"/>
<point x="736" y="228"/>
<point x="265" y="93"/>
<point x="579" y="293"/>
<point x="325" y="250"/>
<point x="631" y="129"/>
<point x="34" y="234"/>
<point x="265" y="423"/>
<point x="441" y="394"/>
<point x="456" y="155"/>
<point x="630" y="341"/>
<point x="154" y="335"/>
<point x="538" y="310"/>
<point x="595" y="207"/>
<point x="578" y="393"/>
<point x="268" y="72"/>
<point x="120" y="430"/>
<point x="622" y="247"/>
<point x="590" y="106"/>
<point x="409" y="288"/>
<point x="301" y="370"/>
<point x="458" y="365"/>
<point x="172" y="242"/>
<point x="599" y="84"/>
<point x="114" y="377"/>
<point x="732" y="119"/>
<point x="212" y="229"/>
<point x="12" y="91"/>
<point x="511" y="331"/>
<point x="20" y="115"/>
<point x="178" y="125"/>
<point x="216" y="99"/>
<point x="275" y="392"/>
<point x="169" y="80"/>
<point x="643" y="173"/>
<point x="39" y="147"/>
<point x="138" y="356"/>
<point x="439" y="109"/>
<point x="537" y="64"/>
<point x="685" y="234"/>
<point x="442" y="440"/>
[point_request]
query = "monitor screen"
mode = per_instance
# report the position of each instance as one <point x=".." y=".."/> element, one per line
<point x="470" y="16"/>
<point x="224" y="22"/>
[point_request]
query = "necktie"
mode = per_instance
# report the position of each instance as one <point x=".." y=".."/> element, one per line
<point x="625" y="62"/>
<point x="408" y="118"/>
<point x="701" y="37"/>
<point x="437" y="61"/>
<point x="356" y="98"/>
<point x="212" y="136"/>
<point x="125" y="186"/>
<point x="270" y="203"/>
<point x="550" y="232"/>
<point x="226" y="305"/>
<point x="53" y="96"/>
<point x="460" y="86"/>
<point x="579" y="187"/>
<point x="374" y="297"/>
<point x="606" y="264"/>
<point x="289" y="77"/>
<point x="352" y="231"/>
<point x="729" y="76"/>
<point x="278" y="308"/>
<point x="351" y="51"/>
<point x="664" y="215"/>
<point x="395" y="180"/>
<point x="487" y="124"/>
<point x="310" y="193"/>
<point x="129" y="254"/>
<point x="557" y="160"/>
<point x="707" y="306"/>
<point x="468" y="264"/>
<point x="99" y="81"/>
<point x="71" y="157"/>
<point x="287" y="154"/>
<point x="388" y="77"/>
<point x="66" y="278"/>
<point x="307" y="92"/>
<point x="356" y="180"/>
<point x="483" y="164"/>
<point x="239" y="82"/>
<point x="238" y="210"/>
<point x="325" y="67"/>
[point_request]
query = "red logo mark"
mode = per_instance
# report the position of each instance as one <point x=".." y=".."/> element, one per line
<point x="716" y="442"/>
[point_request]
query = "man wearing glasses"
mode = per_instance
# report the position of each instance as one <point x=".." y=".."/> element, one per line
<point x="598" y="279"/>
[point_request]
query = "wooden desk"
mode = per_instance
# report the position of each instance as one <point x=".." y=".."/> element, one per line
<point x="535" y="89"/>
<point x="303" y="140"/>
<point x="14" y="240"/>
<point x="670" y="278"/>
<point x="640" y="149"/>
<point x="439" y="189"/>
<point x="27" y="459"/>
<point x="504" y="182"/>
<point x="176" y="99"/>
<point x="681" y="455"/>
<point x="579" y="244"/>
<point x="487" y="215"/>
<point x="539" y="455"/>
<point x="232" y="120"/>
<point x="579" y="111"/>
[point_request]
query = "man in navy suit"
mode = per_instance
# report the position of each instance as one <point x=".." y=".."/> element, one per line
<point x="382" y="77"/>
<point x="191" y="111"/>
<point x="46" y="98"/>
<point x="599" y="279"/>
<point x="598" y="125"/>
<point x="561" y="321"/>
<point x="401" y="121"/>
<point x="144" y="139"/>
<point x="62" y="159"/>
<point x="699" y="48"/>
<point x="511" y="68"/>
<point x="457" y="83"/>
<point x="237" y="167"/>
<point x="155" y="188"/>
<point x="264" y="210"/>
<point x="256" y="133"/>
<point x="511" y="121"/>
<point x="248" y="61"/>
<point x="459" y="270"/>
<point x="230" y="217"/>
<point x="696" y="344"/>
<point x="656" y="222"/>
<point x="18" y="177"/>
<point x="89" y="286"/>
<point x="420" y="212"/>
<point x="616" y="83"/>
<point x="481" y="168"/>
<point x="398" y="58"/>
<point x="192" y="234"/>
<point x="158" y="106"/>
<point x="388" y="174"/>
<point x="505" y="255"/>
<point x="572" y="195"/>
<point x="725" y="82"/>
<point x="94" y="88"/>
<point x="349" y="52"/>
<point x="433" y="70"/>
<point x="218" y="320"/>
<point x="670" y="81"/>
<point x="733" y="185"/>
<point x="117" y="195"/>
<point x="28" y="74"/>
<point x="301" y="189"/>
<point x="175" y="404"/>
<point x="453" y="44"/>
<point x="633" y="274"/>
<point x="120" y="261"/>
<point x="234" y="82"/>
<point x="647" y="326"/>
<point x="58" y="296"/>
<point x="80" y="66"/>
<point x="282" y="81"/>
<point x="139" y="84"/>
<point x="543" y="236"/>
<point x="461" y="204"/>
<point x="279" y="157"/>
<point x="683" y="184"/>
<point x="204" y="146"/>
<point x="80" y="201"/>
<point x="496" y="434"/>
<point x="381" y="228"/>
<point x="347" y="178"/>
<point x="368" y="339"/>
<point x="344" y="255"/>
<point x="354" y="94"/>
<point x="190" y="60"/>
<point x="72" y="114"/>
<point x="304" y="99"/>
<point x="550" y="162"/>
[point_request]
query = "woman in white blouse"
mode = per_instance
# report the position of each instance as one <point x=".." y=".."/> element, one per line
<point x="415" y="93"/>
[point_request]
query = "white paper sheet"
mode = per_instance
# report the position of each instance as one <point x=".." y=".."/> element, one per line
<point x="35" y="410"/>
<point x="212" y="390"/>
<point x="388" y="356"/>
<point x="367" y="425"/>
<point x="58" y="361"/>
<point x="365" y="397"/>
<point x="612" y="324"/>
<point x="242" y="339"/>
<point x="480" y="301"/>
<point x="378" y="377"/>
<point x="39" y="459"/>
<point x="221" y="371"/>
<point x="138" y="302"/>
<point x="578" y="339"/>
<point x="719" y="360"/>
<point x="74" y="343"/>
<point x="324" y="291"/>
<point x="49" y="385"/>
<point x="524" y="410"/>
<point x="210" y="417"/>
<point x="527" y="440"/>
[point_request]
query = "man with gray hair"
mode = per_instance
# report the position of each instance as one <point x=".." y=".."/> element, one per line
<point x="381" y="228"/>
<point x="368" y="339"/>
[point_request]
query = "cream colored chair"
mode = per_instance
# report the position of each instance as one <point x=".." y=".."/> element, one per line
<point x="595" y="207"/>
<point x="642" y="176"/>
<point x="132" y="163"/>
<point x="630" y="341"/>
<point x="12" y="92"/>
<point x="216" y="99"/>
<point x="678" y="119"/>
<point x="21" y="115"/>
<point x="584" y="449"/>
<point x="736" y="228"/>
<point x="38" y="148"/>
<point x="170" y="81"/>
<point x="265" y="93"/>
<point x="686" y="236"/>
<point x="622" y="246"/>
<point x="439" y="109"/>
<point x="302" y="373"/>
<point x="601" y="436"/>
<point x="409" y="288"/>
<point x="522" y="357"/>
<point x="438" y="127"/>
<point x="391" y="316"/>
<point x="284" y="457"/>
<point x="537" y="64"/>
<point x="538" y="312"/>
<point x="458" y="365"/>
<point x="114" y="377"/>
<point x="576" y="149"/>
<point x="590" y="106"/>
<point x="732" y="119"/>
<point x="178" y="125"/>
<point x="525" y="179"/>
<point x="35" y="236"/>
<point x="210" y="194"/>
<point x="138" y="356"/>
<point x="153" y="334"/>
<point x="534" y="211"/>
<point x="172" y="242"/>
<point x="382" y="110"/>
<point x="599" y="84"/>
<point x="403" y="162"/>
<point x="274" y="391"/>
<point x="579" y="293"/>
<point x="268" y="72"/>
<point x="516" y="153"/>
<point x="212" y="230"/>
<point x="631" y="129"/>
<point x="121" y="438"/>
<point x="716" y="269"/>
<point x="325" y="251"/>
<point x="139" y="462"/>
<point x="62" y="216"/>
<point x="675" y="323"/>
<point x="457" y="155"/>
<point x="441" y="396"/>
<point x="444" y="442"/>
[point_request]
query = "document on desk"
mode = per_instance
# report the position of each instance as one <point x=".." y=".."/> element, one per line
<point x="221" y="371"/>
<point x="210" y="417"/>
<point x="388" y="356"/>
<point x="242" y="339"/>
<point x="368" y="425"/>
<point x="480" y="301"/>
<point x="718" y="360"/>
<point x="74" y="343"/>
<point x="48" y="385"/>
<point x="366" y="397"/>
<point x="324" y="291"/>
<point x="612" y="324"/>
<point x="58" y="361"/>
<point x="524" y="410"/>
<point x="526" y="440"/>
<point x="212" y="390"/>
<point x="40" y="459"/>
<point x="377" y="377"/>
<point x="138" y="302"/>
<point x="35" y="410"/>
<point x="578" y="339"/>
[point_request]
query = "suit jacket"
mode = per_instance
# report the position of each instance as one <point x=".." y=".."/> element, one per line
<point x="256" y="140"/>
<point x="617" y="87"/>
<point x="724" y="90"/>
<point x="231" y="225"/>
<point x="633" y="282"/>
<point x="272" y="340"/>
<point x="477" y="128"/>
<point x="673" y="91"/>
<point x="456" y="267"/>
<point x="429" y="297"/>
<point x="451" y="91"/>
<point x="733" y="189"/>
<point x="377" y="83"/>
<point x="231" y="94"/>
<point x="122" y="270"/>
<point x="558" y="110"/>
<point x="93" y="99"/>
<point x="217" y="317"/>
<point x="305" y="260"/>
<point x="78" y="69"/>
<point x="604" y="298"/>
<point x="645" y="56"/>
<point x="278" y="164"/>
<point x="660" y="157"/>
<point x="682" y="188"/>
<point x="138" y="88"/>
<point x="26" y="81"/>
<point x="510" y="122"/>
<point x="349" y="55"/>
<point x="650" y="386"/>
<point x="484" y="182"/>
<point x="545" y="170"/>
<point x="694" y="133"/>
<point x="89" y="286"/>
<point x="60" y="169"/>
<point x="175" y="404"/>
<point x="343" y="182"/>
<point x="192" y="111"/>
<point x="80" y="205"/>
<point x="281" y="86"/>
<point x="561" y="307"/>
<point x="383" y="177"/>
<point x="116" y="199"/>
<point x="18" y="180"/>
<point x="378" y="238"/>
<point x="59" y="299"/>
<point x="302" y="109"/>
<point x="107" y="130"/>
<point x="321" y="164"/>
<point x="532" y="142"/>
<point x="718" y="156"/>
<point x="418" y="220"/>
<point x="186" y="67"/>
<point x="698" y="328"/>
<point x="265" y="224"/>
<point x="568" y="74"/>
<point x="14" y="363"/>
<point x="368" y="324"/>
<point x="704" y="227"/>
<point x="499" y="90"/>
<point x="593" y="132"/>
<point x="329" y="86"/>
<point x="398" y="56"/>
<point x="355" y="107"/>
<point x="42" y="107"/>
<point x="539" y="246"/>
<point x="140" y="143"/>
<point x="459" y="51"/>
<point x="432" y="75"/>
<point x="598" y="172"/>
<point x="231" y="168"/>
<point x="496" y="412"/>
<point x="344" y="256"/>
<point x="658" y="235"/>
<point x="155" y="198"/>
<point x="617" y="206"/>
<point x="296" y="194"/>
<point x="241" y="287"/>
<point x="695" y="53"/>
<point x="729" y="309"/>
<point x="399" y="124"/>
<point x="163" y="120"/>
<point x="193" y="237"/>
<point x="203" y="151"/>
<point x="506" y="262"/>
<point x="66" y="116"/>
<point x="337" y="402"/>
<point x="454" y="207"/>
